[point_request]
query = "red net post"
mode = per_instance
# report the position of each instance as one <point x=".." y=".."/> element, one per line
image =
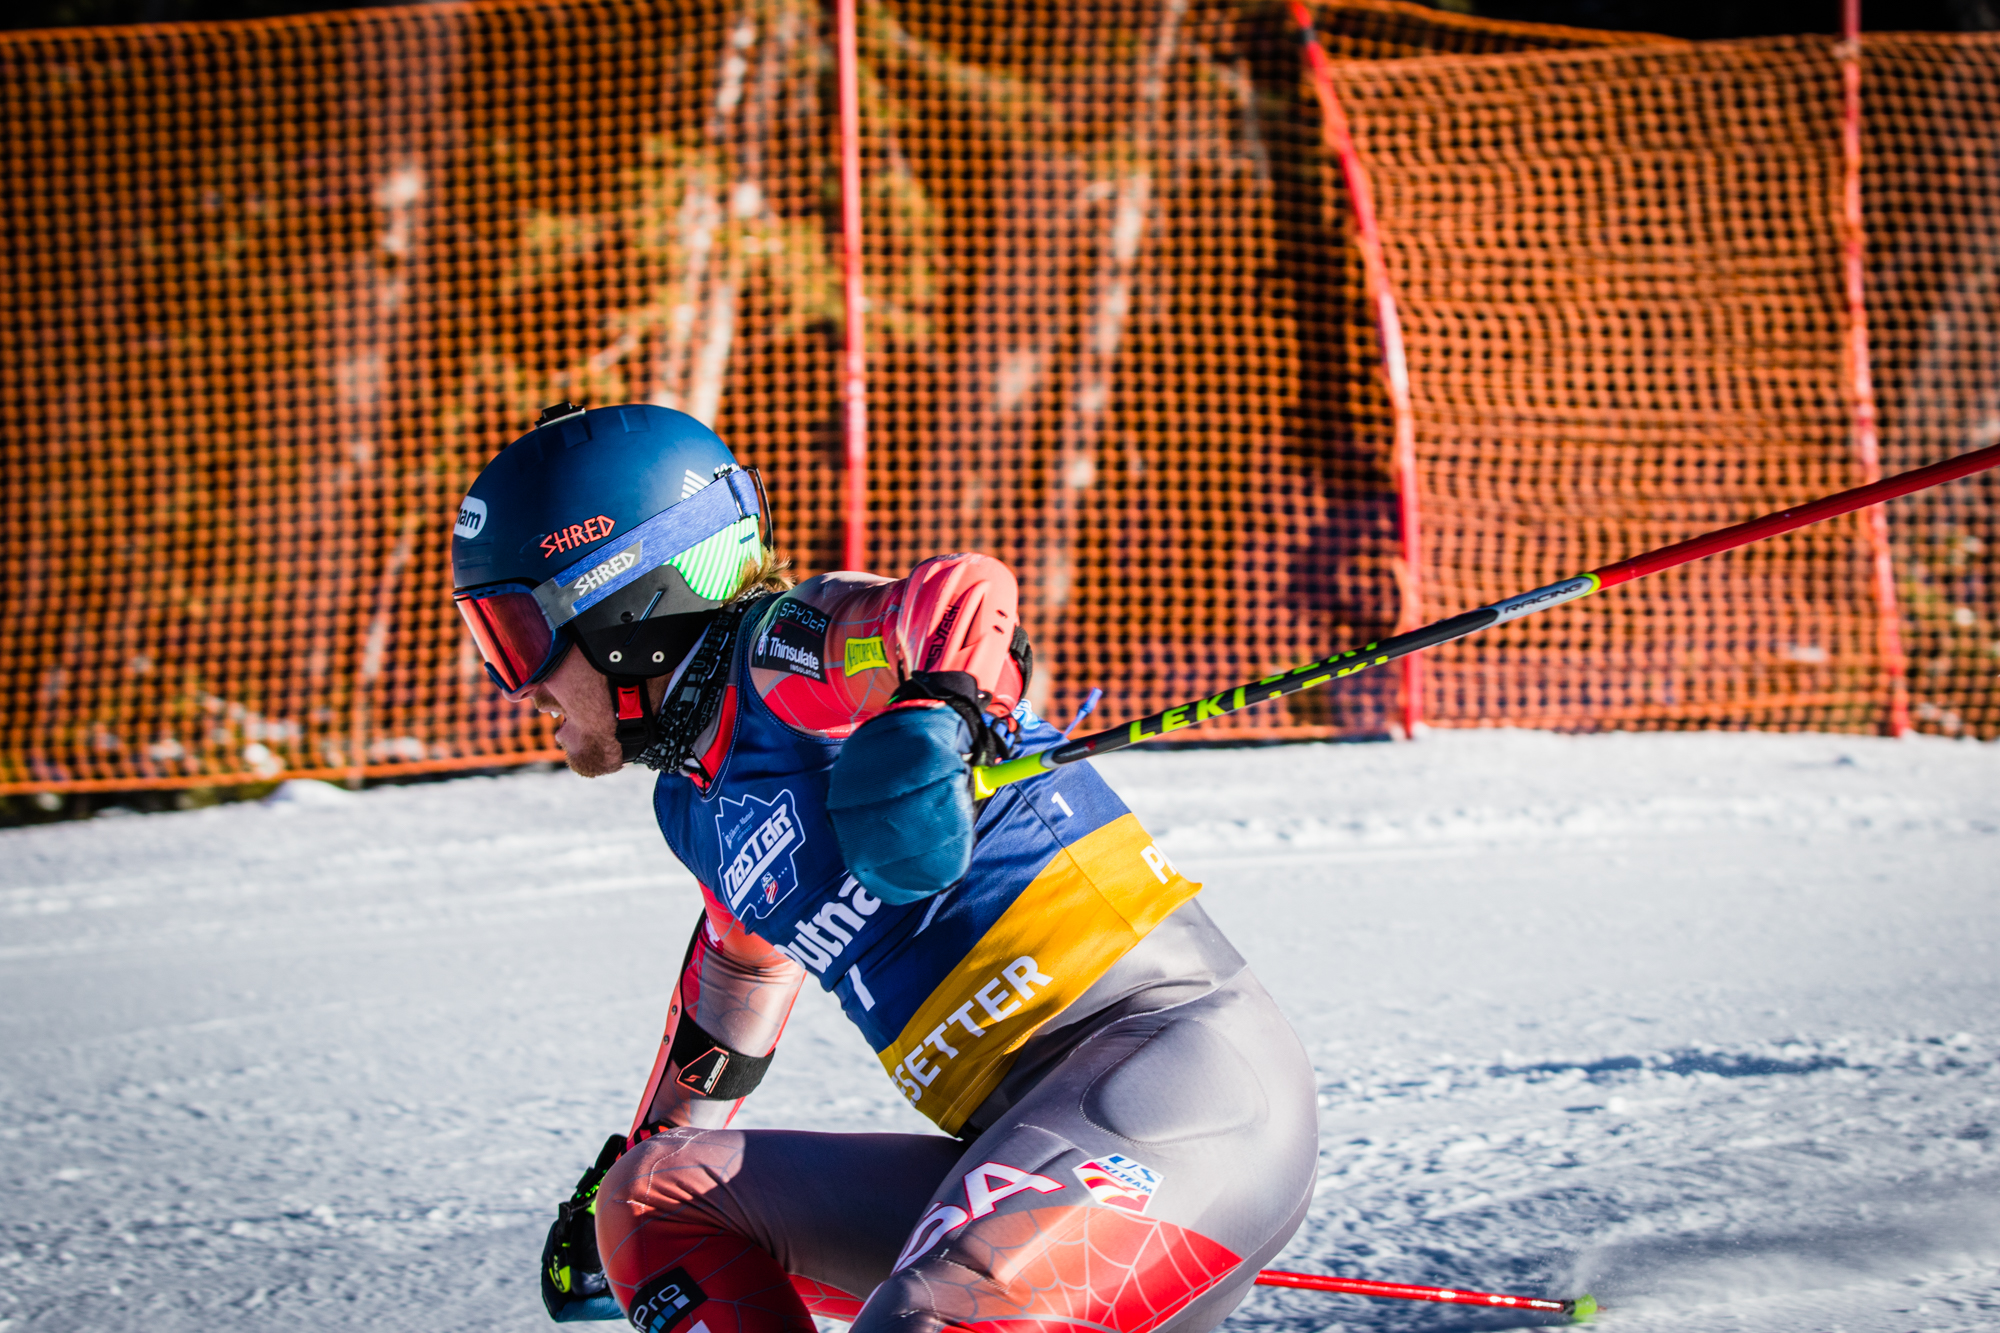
<point x="1860" y="378"/>
<point x="1933" y="253"/>
<point x="1395" y="365"/>
<point x="854" y="366"/>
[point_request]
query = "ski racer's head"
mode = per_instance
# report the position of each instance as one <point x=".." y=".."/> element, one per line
<point x="615" y="531"/>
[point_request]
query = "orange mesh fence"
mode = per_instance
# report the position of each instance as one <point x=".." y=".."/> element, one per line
<point x="1620" y="286"/>
<point x="1931" y="187"/>
<point x="275" y="290"/>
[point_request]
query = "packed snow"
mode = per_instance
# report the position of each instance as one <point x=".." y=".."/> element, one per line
<point x="1705" y="1024"/>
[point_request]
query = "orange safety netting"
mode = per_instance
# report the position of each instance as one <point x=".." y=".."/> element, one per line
<point x="276" y="289"/>
<point x="1620" y="285"/>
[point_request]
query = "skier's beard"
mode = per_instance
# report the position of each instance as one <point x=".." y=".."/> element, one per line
<point x="586" y="724"/>
<point x="590" y="753"/>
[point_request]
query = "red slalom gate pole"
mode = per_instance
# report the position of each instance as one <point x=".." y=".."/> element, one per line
<point x="1860" y="377"/>
<point x="1580" y="1309"/>
<point x="991" y="777"/>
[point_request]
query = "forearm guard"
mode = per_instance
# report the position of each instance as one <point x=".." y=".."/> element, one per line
<point x="708" y="1068"/>
<point x="732" y="996"/>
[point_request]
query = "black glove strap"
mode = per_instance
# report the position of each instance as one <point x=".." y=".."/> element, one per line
<point x="710" y="1069"/>
<point x="1023" y="654"/>
<point x="958" y="691"/>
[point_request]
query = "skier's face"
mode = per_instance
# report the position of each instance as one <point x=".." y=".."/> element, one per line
<point x="577" y="694"/>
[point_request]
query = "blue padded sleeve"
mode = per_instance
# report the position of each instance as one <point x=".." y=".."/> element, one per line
<point x="900" y="800"/>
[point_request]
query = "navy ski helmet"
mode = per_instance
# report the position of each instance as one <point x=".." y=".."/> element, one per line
<point x="619" y="529"/>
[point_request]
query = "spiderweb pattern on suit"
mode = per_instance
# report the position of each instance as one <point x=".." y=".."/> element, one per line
<point x="1069" y="1267"/>
<point x="746" y="1290"/>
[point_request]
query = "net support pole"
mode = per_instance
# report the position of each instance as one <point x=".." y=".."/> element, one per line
<point x="1338" y="141"/>
<point x="1860" y="376"/>
<point x="853" y="378"/>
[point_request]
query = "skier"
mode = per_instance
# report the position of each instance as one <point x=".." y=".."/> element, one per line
<point x="1129" y="1124"/>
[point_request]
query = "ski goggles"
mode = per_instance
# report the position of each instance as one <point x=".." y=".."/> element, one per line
<point x="518" y="627"/>
<point x="513" y="634"/>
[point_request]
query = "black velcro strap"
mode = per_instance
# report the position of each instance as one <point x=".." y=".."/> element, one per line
<point x="709" y="1068"/>
<point x="958" y="688"/>
<point x="1023" y="654"/>
<point x="960" y="692"/>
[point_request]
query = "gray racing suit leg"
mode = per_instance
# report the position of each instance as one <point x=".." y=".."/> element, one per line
<point x="1138" y="1186"/>
<point x="1147" y="1153"/>
<point x="834" y="1208"/>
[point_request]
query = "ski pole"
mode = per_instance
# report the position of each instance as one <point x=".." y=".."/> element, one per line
<point x="1579" y="1310"/>
<point x="1083" y="711"/>
<point x="989" y="778"/>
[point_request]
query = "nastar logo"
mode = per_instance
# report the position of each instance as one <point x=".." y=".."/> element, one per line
<point x="759" y="841"/>
<point x="596" y="577"/>
<point x="471" y="517"/>
<point x="576" y="534"/>
<point x="1119" y="1181"/>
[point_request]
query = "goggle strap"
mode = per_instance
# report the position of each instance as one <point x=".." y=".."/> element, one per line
<point x="714" y="508"/>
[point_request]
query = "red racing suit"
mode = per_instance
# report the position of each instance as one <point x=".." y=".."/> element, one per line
<point x="1135" y="1122"/>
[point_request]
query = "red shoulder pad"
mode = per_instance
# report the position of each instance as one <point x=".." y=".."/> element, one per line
<point x="960" y="613"/>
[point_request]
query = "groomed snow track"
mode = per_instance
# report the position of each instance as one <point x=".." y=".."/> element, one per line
<point x="1706" y="1024"/>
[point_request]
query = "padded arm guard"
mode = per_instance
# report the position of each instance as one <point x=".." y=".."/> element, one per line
<point x="960" y="614"/>
<point x="900" y="800"/>
<point x="730" y="1004"/>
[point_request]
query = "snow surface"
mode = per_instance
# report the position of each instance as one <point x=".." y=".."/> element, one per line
<point x="1706" y="1024"/>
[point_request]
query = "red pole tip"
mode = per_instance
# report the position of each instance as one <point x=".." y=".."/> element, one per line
<point x="1400" y="1291"/>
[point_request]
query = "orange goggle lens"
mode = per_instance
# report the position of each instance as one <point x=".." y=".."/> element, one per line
<point x="513" y="634"/>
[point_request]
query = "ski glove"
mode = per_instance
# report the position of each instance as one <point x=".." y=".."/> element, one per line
<point x="900" y="794"/>
<point x="573" y="1281"/>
